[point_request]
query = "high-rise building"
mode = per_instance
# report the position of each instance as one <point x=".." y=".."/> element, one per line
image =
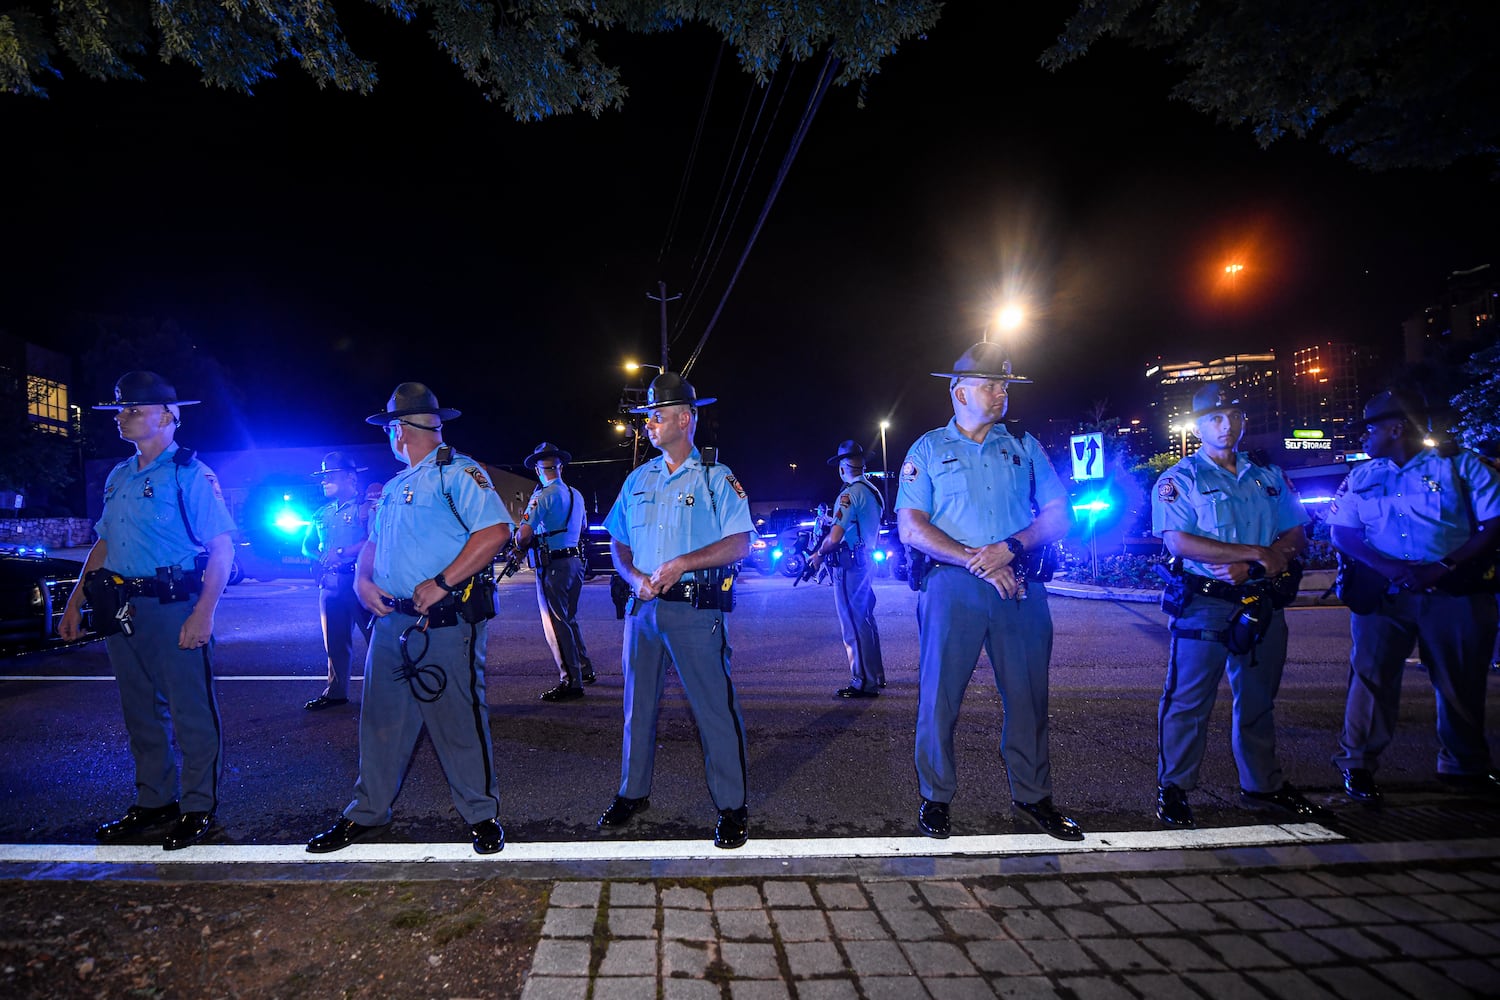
<point x="1466" y="320"/>
<point x="1327" y="390"/>
<point x="1253" y="377"/>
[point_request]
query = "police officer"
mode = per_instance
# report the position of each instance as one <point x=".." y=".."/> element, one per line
<point x="425" y="574"/>
<point x="679" y="522"/>
<point x="150" y="583"/>
<point x="333" y="542"/>
<point x="854" y="533"/>
<point x="965" y="503"/>
<point x="552" y="529"/>
<point x="1228" y="517"/>
<point x="1425" y="520"/>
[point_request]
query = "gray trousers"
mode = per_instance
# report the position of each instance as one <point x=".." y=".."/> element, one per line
<point x="697" y="642"/>
<point x="854" y="599"/>
<point x="457" y="720"/>
<point x="958" y="615"/>
<point x="1194" y="669"/>
<point x="1455" y="636"/>
<point x="557" y="590"/>
<point x="342" y="615"/>
<point x="167" y="691"/>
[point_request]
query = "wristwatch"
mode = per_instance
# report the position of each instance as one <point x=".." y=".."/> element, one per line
<point x="1016" y="546"/>
<point x="438" y="579"/>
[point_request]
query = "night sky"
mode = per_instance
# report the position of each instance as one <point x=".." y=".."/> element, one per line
<point x="324" y="246"/>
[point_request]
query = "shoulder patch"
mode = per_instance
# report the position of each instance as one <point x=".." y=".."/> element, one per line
<point x="1166" y="491"/>
<point x="213" y="484"/>
<point x="845" y="499"/>
<point x="478" y="477"/>
<point x="734" y="484"/>
<point x="909" y="472"/>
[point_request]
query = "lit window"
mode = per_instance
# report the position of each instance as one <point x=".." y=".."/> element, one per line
<point x="47" y="404"/>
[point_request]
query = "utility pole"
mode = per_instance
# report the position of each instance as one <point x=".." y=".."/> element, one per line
<point x="661" y="296"/>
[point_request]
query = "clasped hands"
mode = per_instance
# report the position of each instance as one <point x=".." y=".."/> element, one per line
<point x="992" y="562"/>
<point x="665" y="577"/>
<point x="1273" y="559"/>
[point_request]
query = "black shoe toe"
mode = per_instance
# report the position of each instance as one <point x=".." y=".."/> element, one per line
<point x="322" y="701"/>
<point x="563" y="692"/>
<point x="137" y="820"/>
<point x="932" y="819"/>
<point x="1052" y="822"/>
<point x="1172" y="807"/>
<point x="1359" y="785"/>
<point x="489" y="838"/>
<point x="188" y="830"/>
<point x="853" y="692"/>
<point x="733" y="828"/>
<point x="621" y="810"/>
<point x="1288" y="799"/>
<point x="339" y="836"/>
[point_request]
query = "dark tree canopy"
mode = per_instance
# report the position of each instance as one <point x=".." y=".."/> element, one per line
<point x="537" y="57"/>
<point x="1386" y="83"/>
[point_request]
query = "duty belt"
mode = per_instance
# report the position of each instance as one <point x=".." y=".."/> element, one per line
<point x="570" y="553"/>
<point x="683" y="590"/>
<point x="440" y="615"/>
<point x="145" y="586"/>
<point x="1210" y="587"/>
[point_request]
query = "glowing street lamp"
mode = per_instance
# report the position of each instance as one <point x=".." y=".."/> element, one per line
<point x="632" y="366"/>
<point x="885" y="470"/>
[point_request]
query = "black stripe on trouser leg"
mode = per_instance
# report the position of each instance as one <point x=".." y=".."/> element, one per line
<point x="859" y="649"/>
<point x="213" y="710"/>
<point x="1168" y="687"/>
<point x="479" y="708"/>
<point x="739" y="732"/>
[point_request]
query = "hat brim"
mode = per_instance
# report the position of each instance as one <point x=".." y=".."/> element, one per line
<point x="835" y="460"/>
<point x="530" y="460"/>
<point x="995" y="375"/>
<point x="442" y="413"/>
<point x="676" y="402"/>
<point x="329" y="472"/>
<point x="1396" y="414"/>
<point x="145" y="402"/>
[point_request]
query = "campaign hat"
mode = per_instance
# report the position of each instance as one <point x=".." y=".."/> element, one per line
<point x="1399" y="404"/>
<point x="337" y="461"/>
<point x="411" y="399"/>
<point x="983" y="360"/>
<point x="546" y="450"/>
<point x="144" y="388"/>
<point x="670" y="389"/>
<point x="849" y="449"/>
<point x="1214" y="396"/>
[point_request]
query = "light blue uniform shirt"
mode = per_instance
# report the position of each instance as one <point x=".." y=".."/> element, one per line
<point x="142" y="524"/>
<point x="1417" y="511"/>
<point x="553" y="507"/>
<point x="663" y="515"/>
<point x="857" y="510"/>
<point x="1252" y="506"/>
<point x="976" y="492"/>
<point x="416" y="533"/>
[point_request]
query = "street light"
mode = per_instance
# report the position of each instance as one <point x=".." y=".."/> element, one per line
<point x="885" y="471"/>
<point x="632" y="366"/>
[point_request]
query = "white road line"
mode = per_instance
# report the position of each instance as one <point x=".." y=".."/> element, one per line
<point x="676" y="850"/>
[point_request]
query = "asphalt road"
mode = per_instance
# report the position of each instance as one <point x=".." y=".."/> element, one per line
<point x="819" y="766"/>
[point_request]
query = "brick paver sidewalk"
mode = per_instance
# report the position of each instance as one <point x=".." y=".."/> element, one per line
<point x="1430" y="930"/>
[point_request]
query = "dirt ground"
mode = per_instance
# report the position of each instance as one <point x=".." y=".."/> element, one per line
<point x="269" y="939"/>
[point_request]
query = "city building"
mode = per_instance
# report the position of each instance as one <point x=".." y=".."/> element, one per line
<point x="1464" y="321"/>
<point x="1255" y="378"/>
